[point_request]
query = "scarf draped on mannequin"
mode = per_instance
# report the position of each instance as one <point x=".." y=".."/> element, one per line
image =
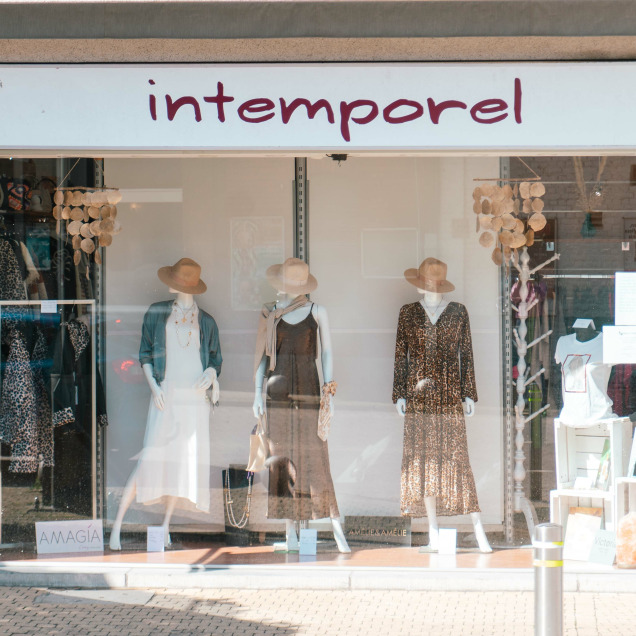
<point x="266" y="334"/>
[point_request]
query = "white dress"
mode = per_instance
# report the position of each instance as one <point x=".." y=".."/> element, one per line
<point x="175" y="460"/>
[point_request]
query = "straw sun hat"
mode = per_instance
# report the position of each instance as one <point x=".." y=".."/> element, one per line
<point x="430" y="276"/>
<point x="291" y="277"/>
<point x="184" y="276"/>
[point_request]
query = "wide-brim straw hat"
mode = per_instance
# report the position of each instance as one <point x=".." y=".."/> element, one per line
<point x="184" y="276"/>
<point x="291" y="277"/>
<point x="430" y="276"/>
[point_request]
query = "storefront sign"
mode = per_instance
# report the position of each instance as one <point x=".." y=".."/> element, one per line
<point x="322" y="107"/>
<point x="58" y="537"/>
<point x="389" y="530"/>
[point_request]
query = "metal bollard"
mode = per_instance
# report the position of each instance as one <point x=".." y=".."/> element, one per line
<point x="548" y="579"/>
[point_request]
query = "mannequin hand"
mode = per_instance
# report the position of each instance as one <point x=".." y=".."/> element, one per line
<point x="208" y="377"/>
<point x="469" y="407"/>
<point x="216" y="392"/>
<point x="257" y="408"/>
<point x="158" y="396"/>
<point x="400" y="407"/>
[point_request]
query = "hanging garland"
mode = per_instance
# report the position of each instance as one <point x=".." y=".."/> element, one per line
<point x="508" y="216"/>
<point x="91" y="216"/>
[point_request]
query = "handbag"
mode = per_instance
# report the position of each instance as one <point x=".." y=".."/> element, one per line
<point x="242" y="491"/>
<point x="324" y="414"/>
<point x="259" y="447"/>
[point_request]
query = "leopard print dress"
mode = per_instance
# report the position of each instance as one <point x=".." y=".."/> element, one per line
<point x="25" y="411"/>
<point x="434" y="373"/>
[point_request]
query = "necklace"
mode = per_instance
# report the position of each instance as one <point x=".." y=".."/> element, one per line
<point x="434" y="311"/>
<point x="185" y="322"/>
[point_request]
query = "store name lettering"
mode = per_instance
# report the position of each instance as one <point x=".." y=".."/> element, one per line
<point x="379" y="533"/>
<point x="358" y="111"/>
<point x="67" y="537"/>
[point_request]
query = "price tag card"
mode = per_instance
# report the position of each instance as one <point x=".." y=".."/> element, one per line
<point x="447" y="540"/>
<point x="155" y="539"/>
<point x="48" y="307"/>
<point x="308" y="543"/>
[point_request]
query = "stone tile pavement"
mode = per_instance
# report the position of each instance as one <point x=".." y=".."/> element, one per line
<point x="301" y="612"/>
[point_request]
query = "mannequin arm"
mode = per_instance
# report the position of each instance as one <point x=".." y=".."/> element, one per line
<point x="157" y="393"/>
<point x="469" y="407"/>
<point x="326" y="351"/>
<point x="259" y="378"/>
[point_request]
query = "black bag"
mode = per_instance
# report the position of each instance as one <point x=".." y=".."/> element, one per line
<point x="237" y="502"/>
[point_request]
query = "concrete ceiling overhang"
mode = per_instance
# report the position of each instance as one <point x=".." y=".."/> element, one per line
<point x="310" y="30"/>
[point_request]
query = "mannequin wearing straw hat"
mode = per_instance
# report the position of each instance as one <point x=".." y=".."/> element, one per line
<point x="181" y="359"/>
<point x="300" y="484"/>
<point x="433" y="390"/>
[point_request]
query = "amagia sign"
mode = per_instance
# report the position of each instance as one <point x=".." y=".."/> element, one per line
<point x="56" y="537"/>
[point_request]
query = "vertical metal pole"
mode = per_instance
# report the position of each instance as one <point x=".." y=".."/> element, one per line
<point x="548" y="579"/>
<point x="301" y="209"/>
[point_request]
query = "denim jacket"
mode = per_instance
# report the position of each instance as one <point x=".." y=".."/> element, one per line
<point x="152" y="349"/>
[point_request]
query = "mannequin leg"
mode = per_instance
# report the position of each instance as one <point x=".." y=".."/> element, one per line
<point x="127" y="498"/>
<point x="480" y="533"/>
<point x="170" y="506"/>
<point x="339" y="536"/>
<point x="291" y="538"/>
<point x="433" y="528"/>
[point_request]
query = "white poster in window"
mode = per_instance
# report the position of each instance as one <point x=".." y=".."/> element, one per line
<point x="619" y="345"/>
<point x="625" y="303"/>
<point x="59" y="537"/>
<point x="257" y="243"/>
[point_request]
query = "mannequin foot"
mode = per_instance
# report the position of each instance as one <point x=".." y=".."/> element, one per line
<point x="339" y="536"/>
<point x="480" y="534"/>
<point x="291" y="539"/>
<point x="482" y="542"/>
<point x="115" y="542"/>
<point x="433" y="540"/>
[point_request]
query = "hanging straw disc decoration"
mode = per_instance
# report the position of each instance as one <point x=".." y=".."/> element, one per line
<point x="91" y="214"/>
<point x="518" y="215"/>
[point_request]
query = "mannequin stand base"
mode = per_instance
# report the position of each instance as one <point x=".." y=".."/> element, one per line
<point x="525" y="506"/>
<point x="281" y="546"/>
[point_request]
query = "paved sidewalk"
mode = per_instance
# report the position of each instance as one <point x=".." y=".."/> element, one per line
<point x="302" y="612"/>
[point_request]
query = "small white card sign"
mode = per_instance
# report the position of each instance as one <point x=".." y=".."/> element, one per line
<point x="155" y="542"/>
<point x="604" y="548"/>
<point x="619" y="344"/>
<point x="447" y="540"/>
<point x="579" y="536"/>
<point x="58" y="537"/>
<point x="308" y="543"/>
<point x="48" y="307"/>
<point x="625" y="298"/>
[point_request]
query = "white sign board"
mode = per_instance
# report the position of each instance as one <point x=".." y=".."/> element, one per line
<point x="321" y="107"/>
<point x="155" y="539"/>
<point x="57" y="537"/>
<point x="619" y="345"/>
<point x="625" y="303"/>
<point x="447" y="540"/>
<point x="604" y="548"/>
<point x="308" y="542"/>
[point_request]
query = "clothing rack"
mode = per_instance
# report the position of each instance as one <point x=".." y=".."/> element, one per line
<point x="91" y="306"/>
<point x="521" y="502"/>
